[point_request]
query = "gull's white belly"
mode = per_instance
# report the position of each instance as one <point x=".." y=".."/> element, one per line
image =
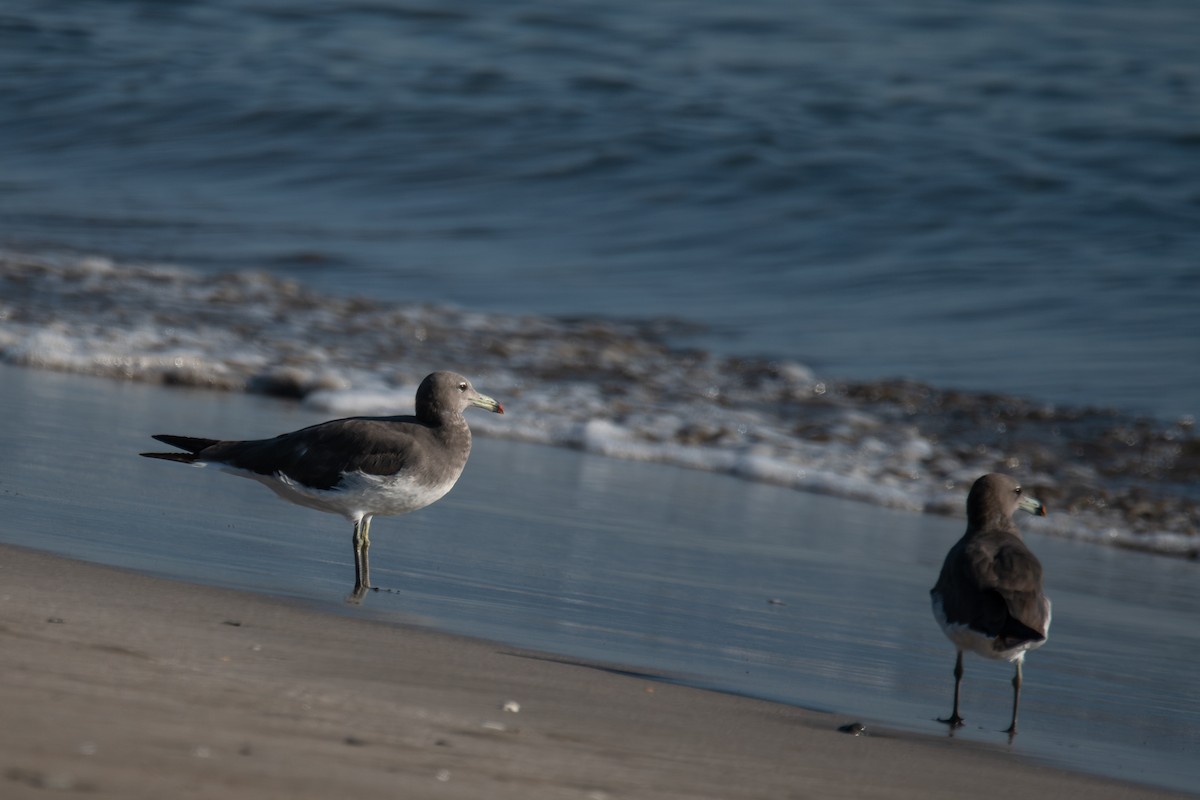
<point x="975" y="642"/>
<point x="357" y="495"/>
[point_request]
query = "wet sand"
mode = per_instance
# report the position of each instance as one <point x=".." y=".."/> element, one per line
<point x="123" y="685"/>
<point x="696" y="579"/>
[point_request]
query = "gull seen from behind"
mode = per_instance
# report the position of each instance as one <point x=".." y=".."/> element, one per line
<point x="989" y="598"/>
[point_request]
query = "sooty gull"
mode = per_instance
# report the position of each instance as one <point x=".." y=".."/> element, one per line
<point x="988" y="598"/>
<point x="361" y="466"/>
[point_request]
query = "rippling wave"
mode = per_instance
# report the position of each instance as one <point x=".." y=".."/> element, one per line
<point x="991" y="196"/>
<point x="613" y="388"/>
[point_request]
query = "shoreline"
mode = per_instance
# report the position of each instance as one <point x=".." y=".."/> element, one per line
<point x="125" y="685"/>
<point x="1113" y="477"/>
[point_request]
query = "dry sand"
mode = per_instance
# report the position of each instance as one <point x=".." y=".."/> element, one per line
<point x="120" y="685"/>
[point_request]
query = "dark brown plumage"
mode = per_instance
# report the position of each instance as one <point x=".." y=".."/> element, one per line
<point x="361" y="466"/>
<point x="989" y="597"/>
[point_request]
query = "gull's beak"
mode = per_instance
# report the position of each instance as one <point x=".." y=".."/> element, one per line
<point x="1032" y="505"/>
<point x="485" y="402"/>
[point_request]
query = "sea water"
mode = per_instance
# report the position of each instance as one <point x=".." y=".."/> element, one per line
<point x="998" y="198"/>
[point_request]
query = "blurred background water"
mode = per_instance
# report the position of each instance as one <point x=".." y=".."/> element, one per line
<point x="988" y="196"/>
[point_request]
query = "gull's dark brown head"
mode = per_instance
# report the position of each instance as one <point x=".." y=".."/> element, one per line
<point x="994" y="499"/>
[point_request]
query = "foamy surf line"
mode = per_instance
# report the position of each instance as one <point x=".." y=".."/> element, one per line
<point x="619" y="389"/>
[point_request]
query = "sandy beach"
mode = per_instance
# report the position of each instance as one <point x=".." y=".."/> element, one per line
<point x="122" y="685"/>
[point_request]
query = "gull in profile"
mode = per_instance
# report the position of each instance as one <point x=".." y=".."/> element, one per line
<point x="358" y="467"/>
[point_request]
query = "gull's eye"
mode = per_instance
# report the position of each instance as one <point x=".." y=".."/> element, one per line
<point x="462" y="387"/>
<point x="1017" y="490"/>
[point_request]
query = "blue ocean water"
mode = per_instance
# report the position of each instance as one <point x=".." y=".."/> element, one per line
<point x="984" y="196"/>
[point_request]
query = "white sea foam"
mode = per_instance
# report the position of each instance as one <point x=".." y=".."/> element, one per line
<point x="610" y="388"/>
